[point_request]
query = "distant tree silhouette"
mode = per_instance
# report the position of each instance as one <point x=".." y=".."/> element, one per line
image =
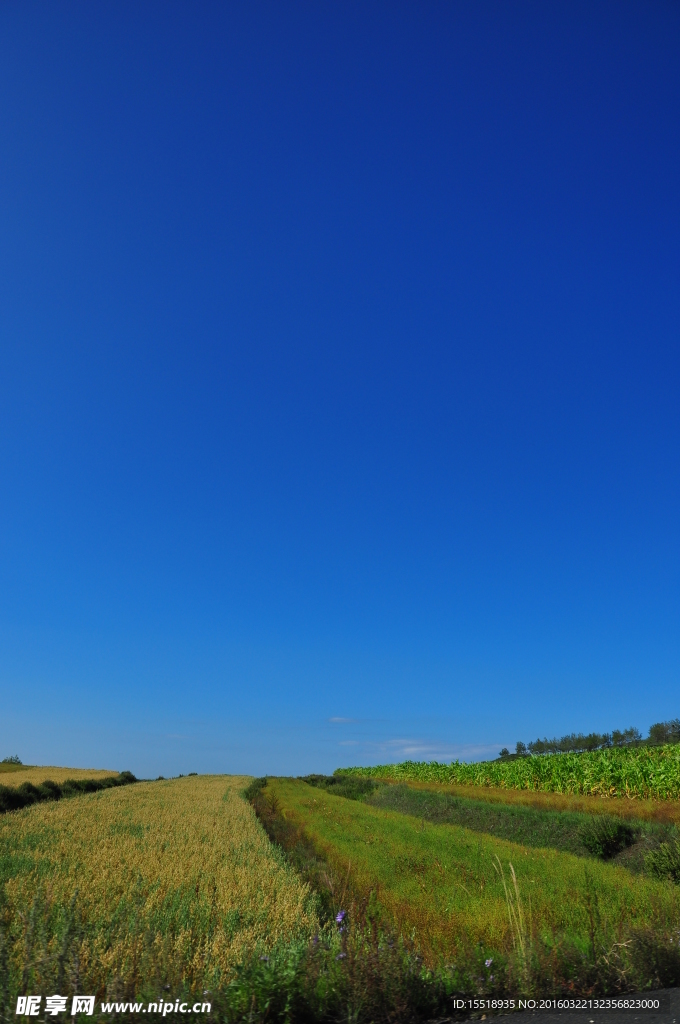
<point x="577" y="743"/>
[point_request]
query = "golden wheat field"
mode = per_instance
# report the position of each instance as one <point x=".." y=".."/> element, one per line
<point x="174" y="880"/>
<point x="14" y="775"/>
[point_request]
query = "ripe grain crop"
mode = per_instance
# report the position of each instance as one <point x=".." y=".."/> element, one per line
<point x="161" y="883"/>
<point x="441" y="880"/>
<point x="19" y="774"/>
<point x="638" y="772"/>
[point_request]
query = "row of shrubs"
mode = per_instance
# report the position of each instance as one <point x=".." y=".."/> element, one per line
<point x="660" y="734"/>
<point x="14" y="798"/>
<point x="604" y="836"/>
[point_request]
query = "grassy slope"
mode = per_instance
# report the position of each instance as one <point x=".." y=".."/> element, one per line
<point x="525" y="825"/>
<point x="175" y="880"/>
<point x="23" y="773"/>
<point x="441" y="880"/>
<point x="661" y="811"/>
<point x="530" y="826"/>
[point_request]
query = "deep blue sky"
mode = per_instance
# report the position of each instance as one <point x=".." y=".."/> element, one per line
<point x="339" y="376"/>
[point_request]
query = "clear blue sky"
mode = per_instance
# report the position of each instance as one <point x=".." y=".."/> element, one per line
<point x="339" y="379"/>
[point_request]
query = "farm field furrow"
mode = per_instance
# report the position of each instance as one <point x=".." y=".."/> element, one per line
<point x="665" y="812"/>
<point x="169" y="882"/>
<point x="638" y="772"/>
<point x="441" y="879"/>
<point x="628" y="841"/>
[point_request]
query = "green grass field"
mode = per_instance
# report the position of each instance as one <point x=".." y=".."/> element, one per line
<point x="663" y="812"/>
<point x="569" y="831"/>
<point x="443" y="881"/>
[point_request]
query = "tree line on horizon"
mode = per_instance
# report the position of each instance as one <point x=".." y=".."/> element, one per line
<point x="577" y="743"/>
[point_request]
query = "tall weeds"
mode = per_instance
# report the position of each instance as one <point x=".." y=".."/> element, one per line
<point x="520" y="923"/>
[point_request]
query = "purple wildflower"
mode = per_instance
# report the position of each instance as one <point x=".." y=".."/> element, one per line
<point x="487" y="963"/>
<point x="340" y="916"/>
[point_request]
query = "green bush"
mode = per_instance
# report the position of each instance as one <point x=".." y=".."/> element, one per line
<point x="664" y="862"/>
<point x="14" y="798"/>
<point x="605" y="836"/>
<point x="353" y="787"/>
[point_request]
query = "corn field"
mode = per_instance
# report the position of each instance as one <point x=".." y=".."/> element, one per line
<point x="641" y="772"/>
<point x="163" y="883"/>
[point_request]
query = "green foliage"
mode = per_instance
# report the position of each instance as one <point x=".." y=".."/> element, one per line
<point x="13" y="799"/>
<point x="664" y="862"/>
<point x="440" y="878"/>
<point x="665" y="732"/>
<point x="255" y="789"/>
<point x="14" y="759"/>
<point x="363" y="975"/>
<point x="659" y="734"/>
<point x="627" y="738"/>
<point x="634" y="772"/>
<point x="604" y="836"/>
<point x="371" y="976"/>
<point x="351" y="787"/>
<point x="578" y="742"/>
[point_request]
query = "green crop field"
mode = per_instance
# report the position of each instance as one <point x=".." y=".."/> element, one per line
<point x="639" y="772"/>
